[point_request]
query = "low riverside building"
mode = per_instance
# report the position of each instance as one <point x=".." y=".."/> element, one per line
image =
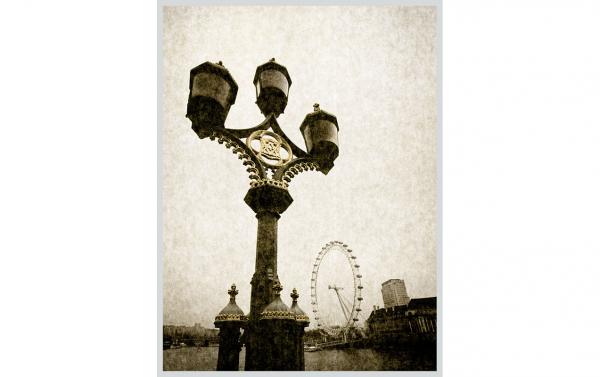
<point x="415" y="322"/>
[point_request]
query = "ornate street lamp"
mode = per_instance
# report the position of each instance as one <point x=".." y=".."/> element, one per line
<point x="271" y="160"/>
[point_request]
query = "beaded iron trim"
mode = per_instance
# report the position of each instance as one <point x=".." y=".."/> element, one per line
<point x="230" y="317"/>
<point x="302" y="318"/>
<point x="277" y="315"/>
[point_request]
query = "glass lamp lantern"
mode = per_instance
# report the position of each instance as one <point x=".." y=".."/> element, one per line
<point x="272" y="83"/>
<point x="320" y="132"/>
<point x="212" y="92"/>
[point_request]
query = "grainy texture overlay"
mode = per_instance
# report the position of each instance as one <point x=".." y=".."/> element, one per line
<point x="375" y="69"/>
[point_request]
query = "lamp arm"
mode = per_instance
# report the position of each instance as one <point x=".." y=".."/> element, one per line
<point x="255" y="169"/>
<point x="295" y="167"/>
<point x="232" y="138"/>
<point x="297" y="151"/>
<point x="244" y="133"/>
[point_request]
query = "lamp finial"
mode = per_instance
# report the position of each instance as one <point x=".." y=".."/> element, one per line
<point x="232" y="292"/>
<point x="277" y="288"/>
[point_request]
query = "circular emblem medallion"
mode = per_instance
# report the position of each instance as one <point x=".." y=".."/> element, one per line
<point x="270" y="148"/>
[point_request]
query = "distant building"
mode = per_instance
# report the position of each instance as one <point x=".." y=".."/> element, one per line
<point x="394" y="293"/>
<point x="189" y="335"/>
<point x="415" y="322"/>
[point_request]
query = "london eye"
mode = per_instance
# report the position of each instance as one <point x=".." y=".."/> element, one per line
<point x="349" y="297"/>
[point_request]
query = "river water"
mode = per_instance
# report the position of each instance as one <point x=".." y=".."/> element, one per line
<point x="205" y="358"/>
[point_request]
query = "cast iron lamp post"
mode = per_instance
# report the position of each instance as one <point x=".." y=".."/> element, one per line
<point x="272" y="160"/>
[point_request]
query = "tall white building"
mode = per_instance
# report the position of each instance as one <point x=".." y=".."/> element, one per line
<point x="394" y="293"/>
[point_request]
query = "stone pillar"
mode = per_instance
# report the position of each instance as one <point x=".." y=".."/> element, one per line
<point x="229" y="347"/>
<point x="280" y="353"/>
<point x="229" y="322"/>
<point x="302" y="321"/>
<point x="277" y="325"/>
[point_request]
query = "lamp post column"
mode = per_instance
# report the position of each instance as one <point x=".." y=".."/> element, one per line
<point x="268" y="202"/>
<point x="265" y="269"/>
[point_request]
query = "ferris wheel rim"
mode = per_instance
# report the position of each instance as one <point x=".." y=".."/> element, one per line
<point x="357" y="283"/>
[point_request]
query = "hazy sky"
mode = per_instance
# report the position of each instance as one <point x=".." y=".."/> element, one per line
<point x="375" y="69"/>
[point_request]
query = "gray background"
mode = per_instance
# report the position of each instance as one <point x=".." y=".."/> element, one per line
<point x="375" y="68"/>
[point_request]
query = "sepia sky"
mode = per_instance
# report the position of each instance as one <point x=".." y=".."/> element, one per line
<point x="375" y="69"/>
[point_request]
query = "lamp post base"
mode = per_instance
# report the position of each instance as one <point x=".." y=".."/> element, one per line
<point x="271" y="345"/>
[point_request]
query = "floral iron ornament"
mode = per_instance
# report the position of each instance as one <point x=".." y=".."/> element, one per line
<point x="269" y="156"/>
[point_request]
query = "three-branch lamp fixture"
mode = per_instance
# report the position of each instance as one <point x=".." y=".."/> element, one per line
<point x="212" y="93"/>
